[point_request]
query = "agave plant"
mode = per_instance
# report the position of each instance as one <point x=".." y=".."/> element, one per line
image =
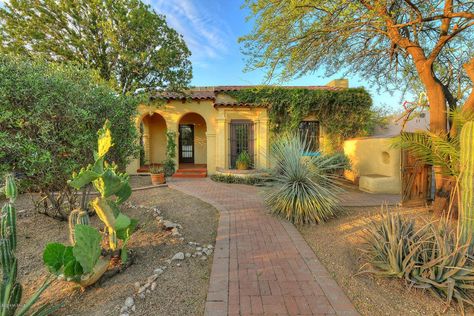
<point x="306" y="192"/>
<point x="388" y="244"/>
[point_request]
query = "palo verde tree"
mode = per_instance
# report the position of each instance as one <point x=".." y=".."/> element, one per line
<point x="125" y="40"/>
<point x="392" y="43"/>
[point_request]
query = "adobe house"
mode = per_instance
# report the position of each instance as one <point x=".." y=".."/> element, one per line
<point x="211" y="130"/>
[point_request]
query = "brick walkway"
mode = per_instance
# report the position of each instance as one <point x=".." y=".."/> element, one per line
<point x="262" y="265"/>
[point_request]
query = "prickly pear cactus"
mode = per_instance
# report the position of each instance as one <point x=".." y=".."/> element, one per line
<point x="113" y="187"/>
<point x="80" y="217"/>
<point x="467" y="180"/>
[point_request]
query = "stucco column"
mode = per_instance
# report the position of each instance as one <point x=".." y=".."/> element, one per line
<point x="146" y="143"/>
<point x="221" y="148"/>
<point x="263" y="143"/>
<point x="211" y="152"/>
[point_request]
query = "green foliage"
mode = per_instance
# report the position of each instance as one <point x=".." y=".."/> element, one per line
<point x="126" y="41"/>
<point x="467" y="180"/>
<point x="169" y="165"/>
<point x="49" y="117"/>
<point x="109" y="183"/>
<point x="293" y="38"/>
<point x="340" y="160"/>
<point x="10" y="289"/>
<point x="229" y="178"/>
<point x="154" y="169"/>
<point x="306" y="192"/>
<point x="432" y="257"/>
<point x="345" y="112"/>
<point x="87" y="247"/>
<point x="243" y="160"/>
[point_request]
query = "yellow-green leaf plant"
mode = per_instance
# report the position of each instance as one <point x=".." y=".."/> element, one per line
<point x="113" y="188"/>
<point x="466" y="180"/>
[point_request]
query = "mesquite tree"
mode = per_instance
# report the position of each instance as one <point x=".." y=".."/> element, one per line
<point x="392" y="43"/>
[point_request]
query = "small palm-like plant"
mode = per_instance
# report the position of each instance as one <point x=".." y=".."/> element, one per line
<point x="307" y="192"/>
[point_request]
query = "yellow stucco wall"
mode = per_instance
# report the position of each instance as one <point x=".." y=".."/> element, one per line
<point x="374" y="156"/>
<point x="212" y="130"/>
<point x="157" y="136"/>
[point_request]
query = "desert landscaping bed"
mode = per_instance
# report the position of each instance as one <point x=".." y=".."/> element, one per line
<point x="337" y="244"/>
<point x="180" y="289"/>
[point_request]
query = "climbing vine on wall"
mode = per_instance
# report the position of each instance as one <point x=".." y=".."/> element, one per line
<point x="345" y="113"/>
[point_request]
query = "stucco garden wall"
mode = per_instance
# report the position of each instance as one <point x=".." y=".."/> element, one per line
<point x="375" y="164"/>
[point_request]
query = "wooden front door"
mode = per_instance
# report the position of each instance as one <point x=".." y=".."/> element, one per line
<point x="186" y="143"/>
<point x="416" y="180"/>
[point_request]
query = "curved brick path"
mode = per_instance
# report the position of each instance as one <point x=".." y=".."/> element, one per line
<point x="262" y="265"/>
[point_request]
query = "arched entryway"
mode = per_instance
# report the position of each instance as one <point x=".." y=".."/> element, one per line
<point x="192" y="144"/>
<point x="153" y="143"/>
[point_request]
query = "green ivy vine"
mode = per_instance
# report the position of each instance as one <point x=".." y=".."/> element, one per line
<point x="345" y="113"/>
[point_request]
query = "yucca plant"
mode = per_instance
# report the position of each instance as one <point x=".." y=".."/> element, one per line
<point x="306" y="192"/>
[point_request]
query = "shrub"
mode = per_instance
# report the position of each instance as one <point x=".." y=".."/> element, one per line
<point x="306" y="192"/>
<point x="49" y="117"/>
<point x="433" y="257"/>
<point x="169" y="165"/>
<point x="229" y="178"/>
<point x="340" y="160"/>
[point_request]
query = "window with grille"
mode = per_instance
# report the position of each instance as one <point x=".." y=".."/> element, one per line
<point x="241" y="139"/>
<point x="309" y="130"/>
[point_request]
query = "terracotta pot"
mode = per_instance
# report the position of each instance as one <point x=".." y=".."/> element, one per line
<point x="241" y="166"/>
<point x="158" y="178"/>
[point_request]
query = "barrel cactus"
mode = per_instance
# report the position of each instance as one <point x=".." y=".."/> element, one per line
<point x="467" y="180"/>
<point x="77" y="216"/>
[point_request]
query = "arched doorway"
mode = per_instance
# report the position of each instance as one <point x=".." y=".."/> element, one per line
<point x="153" y="139"/>
<point x="192" y="144"/>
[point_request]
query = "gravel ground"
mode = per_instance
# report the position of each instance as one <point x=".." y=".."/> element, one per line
<point x="181" y="289"/>
<point x="336" y="244"/>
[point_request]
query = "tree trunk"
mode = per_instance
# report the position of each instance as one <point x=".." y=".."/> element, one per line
<point x="438" y="124"/>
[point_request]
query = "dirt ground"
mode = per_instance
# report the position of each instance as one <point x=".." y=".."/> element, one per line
<point x="337" y="244"/>
<point x="181" y="289"/>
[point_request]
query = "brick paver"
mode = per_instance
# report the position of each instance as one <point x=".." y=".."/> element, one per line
<point x="262" y="265"/>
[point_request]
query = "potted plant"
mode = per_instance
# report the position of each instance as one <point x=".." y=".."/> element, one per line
<point x="157" y="175"/>
<point x="243" y="161"/>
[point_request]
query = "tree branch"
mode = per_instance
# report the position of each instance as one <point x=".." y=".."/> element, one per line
<point x="469" y="104"/>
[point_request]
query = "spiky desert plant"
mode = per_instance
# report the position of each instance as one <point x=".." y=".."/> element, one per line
<point x="306" y="192"/>
<point x="10" y="289"/>
<point x="467" y="180"/>
<point x="388" y="244"/>
<point x="440" y="261"/>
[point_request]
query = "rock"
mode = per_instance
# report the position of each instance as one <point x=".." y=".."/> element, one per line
<point x="158" y="271"/>
<point x="169" y="224"/>
<point x="168" y="261"/>
<point x="187" y="255"/>
<point x="148" y="291"/>
<point x="153" y="286"/>
<point x="133" y="308"/>
<point x="178" y="256"/>
<point x="207" y="251"/>
<point x="124" y="314"/>
<point x="198" y="253"/>
<point x="143" y="288"/>
<point x="203" y="258"/>
<point x="136" y="285"/>
<point x="175" y="232"/>
<point x="178" y="265"/>
<point x="141" y="295"/>
<point x="129" y="301"/>
<point x="152" y="278"/>
<point x="199" y="248"/>
<point x="124" y="309"/>
<point x="157" y="210"/>
<point x="210" y="246"/>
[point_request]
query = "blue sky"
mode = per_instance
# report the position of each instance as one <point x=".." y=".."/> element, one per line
<point x="211" y="29"/>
